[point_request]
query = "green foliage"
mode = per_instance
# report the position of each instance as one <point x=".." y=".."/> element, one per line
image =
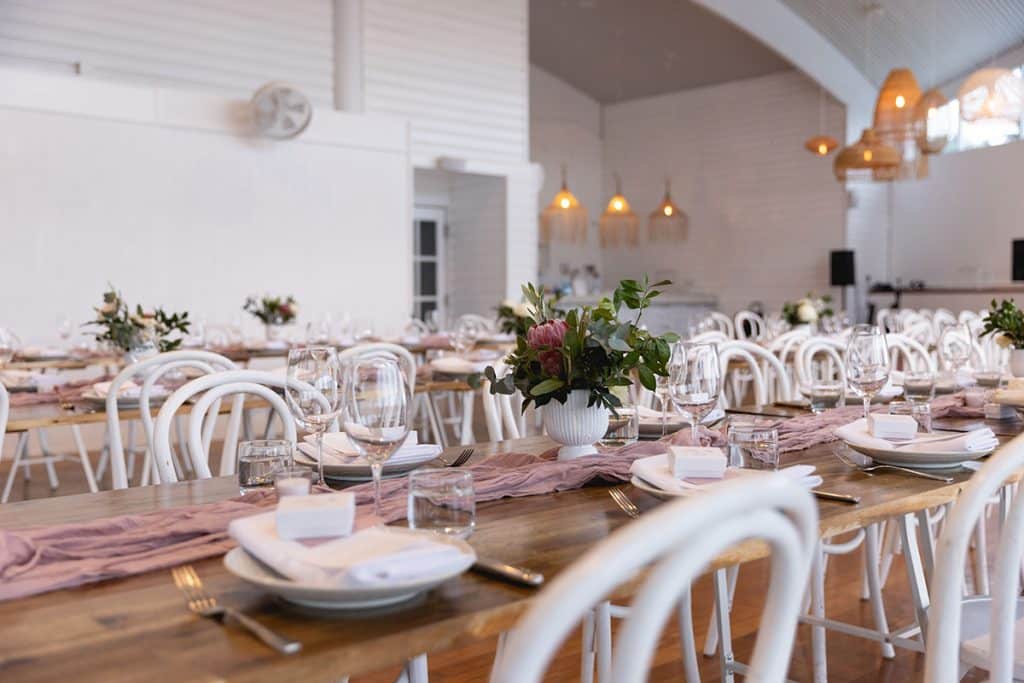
<point x="822" y="309"/>
<point x="122" y="329"/>
<point x="598" y="352"/>
<point x="272" y="310"/>
<point x="1006" y="319"/>
<point x="513" y="319"/>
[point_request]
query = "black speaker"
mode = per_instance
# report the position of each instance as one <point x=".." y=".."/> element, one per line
<point x="841" y="271"/>
<point x="1018" y="260"/>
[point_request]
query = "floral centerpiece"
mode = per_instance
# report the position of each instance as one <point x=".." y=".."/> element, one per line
<point x="517" y="317"/>
<point x="808" y="310"/>
<point x="273" y="312"/>
<point x="577" y="360"/>
<point x="1006" y="321"/>
<point x="140" y="332"/>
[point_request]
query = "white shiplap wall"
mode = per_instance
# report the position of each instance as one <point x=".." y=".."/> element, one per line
<point x="477" y="261"/>
<point x="228" y="46"/>
<point x="457" y="69"/>
<point x="763" y="211"/>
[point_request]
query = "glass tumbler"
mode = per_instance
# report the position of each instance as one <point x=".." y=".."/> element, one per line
<point x="754" y="447"/>
<point x="442" y="500"/>
<point x="259" y="461"/>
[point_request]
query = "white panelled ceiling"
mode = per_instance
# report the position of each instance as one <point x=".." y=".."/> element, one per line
<point x="940" y="40"/>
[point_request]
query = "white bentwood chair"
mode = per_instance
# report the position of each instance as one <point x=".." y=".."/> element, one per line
<point x="956" y="627"/>
<point x="678" y="540"/>
<point x="758" y="330"/>
<point x="758" y="365"/>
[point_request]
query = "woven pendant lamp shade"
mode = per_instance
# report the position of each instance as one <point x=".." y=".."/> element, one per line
<point x="667" y="223"/>
<point x="894" y="121"/>
<point x="619" y="225"/>
<point x="564" y="219"/>
<point x="992" y="95"/>
<point x="822" y="145"/>
<point x="932" y="124"/>
<point x="868" y="158"/>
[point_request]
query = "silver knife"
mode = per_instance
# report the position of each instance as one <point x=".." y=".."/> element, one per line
<point x="508" y="572"/>
<point x="839" y="497"/>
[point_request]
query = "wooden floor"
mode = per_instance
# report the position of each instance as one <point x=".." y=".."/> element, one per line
<point x="850" y="659"/>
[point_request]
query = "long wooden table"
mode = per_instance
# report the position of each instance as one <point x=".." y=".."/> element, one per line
<point x="138" y="628"/>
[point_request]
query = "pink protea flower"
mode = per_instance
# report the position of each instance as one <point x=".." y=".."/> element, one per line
<point x="549" y="337"/>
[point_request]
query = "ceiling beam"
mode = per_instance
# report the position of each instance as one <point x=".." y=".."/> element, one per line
<point x="780" y="28"/>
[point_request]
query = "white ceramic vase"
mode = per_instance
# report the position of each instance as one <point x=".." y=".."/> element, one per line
<point x="574" y="425"/>
<point x="1017" y="362"/>
<point x="274" y="332"/>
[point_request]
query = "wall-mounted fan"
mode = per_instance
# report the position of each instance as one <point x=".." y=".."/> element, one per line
<point x="280" y="111"/>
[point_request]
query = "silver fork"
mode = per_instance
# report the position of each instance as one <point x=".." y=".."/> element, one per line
<point x="205" y="605"/>
<point x="869" y="468"/>
<point x="624" y="503"/>
<point x="465" y="455"/>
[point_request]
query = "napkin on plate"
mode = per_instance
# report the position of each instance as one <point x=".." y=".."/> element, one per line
<point x="320" y="516"/>
<point x="900" y="427"/>
<point x="339" y="450"/>
<point x="456" y="365"/>
<point x="655" y="471"/>
<point x="696" y="462"/>
<point x="976" y="441"/>
<point x="372" y="557"/>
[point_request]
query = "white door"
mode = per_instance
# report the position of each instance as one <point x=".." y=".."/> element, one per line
<point x="428" y="262"/>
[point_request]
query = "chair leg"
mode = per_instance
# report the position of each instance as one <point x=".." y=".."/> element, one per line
<point x="980" y="559"/>
<point x="875" y="586"/>
<point x="83" y="455"/>
<point x="711" y="640"/>
<point x="818" y="651"/>
<point x="416" y="670"/>
<point x="586" y="649"/>
<point x="499" y="651"/>
<point x="19" y="453"/>
<point x="687" y="640"/>
<point x="47" y="454"/>
<point x="603" y="629"/>
<point x="724" y="628"/>
<point x="435" y="422"/>
<point x="466" y="430"/>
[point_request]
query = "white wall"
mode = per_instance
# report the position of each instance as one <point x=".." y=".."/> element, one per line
<point x="476" y="220"/>
<point x="161" y="193"/>
<point x="764" y="212"/>
<point x="228" y="46"/>
<point x="565" y="128"/>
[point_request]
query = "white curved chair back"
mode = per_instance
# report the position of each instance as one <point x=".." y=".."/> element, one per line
<point x="416" y="326"/>
<point x="941" y="319"/>
<point x="479" y="322"/>
<point x="808" y="370"/>
<point x="677" y="540"/>
<point x="944" y="616"/>
<point x="921" y="332"/>
<point x="720" y="322"/>
<point x="710" y="337"/>
<point x="967" y="317"/>
<point x="498" y="414"/>
<point x="5" y="411"/>
<point x="151" y="369"/>
<point x="758" y="330"/>
<point x="887" y="319"/>
<point x="214" y="387"/>
<point x="768" y="374"/>
<point x="395" y="351"/>
<point x="913" y="354"/>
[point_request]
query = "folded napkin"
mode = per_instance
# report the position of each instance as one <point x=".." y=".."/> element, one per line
<point x="339" y="450"/>
<point x="17" y="379"/>
<point x="321" y="516"/>
<point x="456" y="365"/>
<point x="696" y="462"/>
<point x="656" y="472"/>
<point x="899" y="427"/>
<point x="373" y="557"/>
<point x="975" y="441"/>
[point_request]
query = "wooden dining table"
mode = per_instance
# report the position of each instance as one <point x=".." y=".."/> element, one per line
<point x="138" y="628"/>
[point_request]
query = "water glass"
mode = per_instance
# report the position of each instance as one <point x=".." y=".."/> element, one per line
<point x="754" y="447"/>
<point x="826" y="395"/>
<point x="921" y="412"/>
<point x="623" y="429"/>
<point x="442" y="500"/>
<point x="919" y="386"/>
<point x="259" y="461"/>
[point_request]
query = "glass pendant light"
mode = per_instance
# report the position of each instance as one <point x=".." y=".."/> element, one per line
<point x="667" y="223"/>
<point x="618" y="225"/>
<point x="564" y="219"/>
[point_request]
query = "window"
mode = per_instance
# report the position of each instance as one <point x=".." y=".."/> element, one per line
<point x="428" y="263"/>
<point x="971" y="135"/>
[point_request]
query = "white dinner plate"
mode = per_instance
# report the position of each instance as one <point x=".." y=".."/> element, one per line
<point x="249" y="569"/>
<point x="655" y="491"/>
<point x="931" y="460"/>
<point x="359" y="470"/>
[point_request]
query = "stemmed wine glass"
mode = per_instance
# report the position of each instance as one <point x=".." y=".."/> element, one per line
<point x="465" y="336"/>
<point x="375" y="412"/>
<point x="313" y="393"/>
<point x="955" y="346"/>
<point x="867" y="363"/>
<point x="695" y="381"/>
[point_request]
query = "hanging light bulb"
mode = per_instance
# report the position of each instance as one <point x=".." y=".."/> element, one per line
<point x="667" y="222"/>
<point x="564" y="219"/>
<point x="618" y="224"/>
<point x="867" y="159"/>
<point x="933" y="123"/>
<point x="821" y="144"/>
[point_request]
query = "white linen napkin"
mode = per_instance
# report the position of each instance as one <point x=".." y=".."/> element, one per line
<point x="976" y="441"/>
<point x="901" y="427"/>
<point x="695" y="462"/>
<point x="373" y="557"/>
<point x="655" y="471"/>
<point x="339" y="450"/>
<point x="320" y="516"/>
<point x="456" y="365"/>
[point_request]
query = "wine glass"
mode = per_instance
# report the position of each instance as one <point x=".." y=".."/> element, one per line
<point x="64" y="328"/>
<point x="313" y="393"/>
<point x="465" y="336"/>
<point x="955" y="346"/>
<point x="867" y="363"/>
<point x="375" y="411"/>
<point x="9" y="345"/>
<point x="695" y="381"/>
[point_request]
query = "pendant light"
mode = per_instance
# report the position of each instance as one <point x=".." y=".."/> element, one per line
<point x="821" y="144"/>
<point x="618" y="225"/>
<point x="668" y="222"/>
<point x="867" y="159"/>
<point x="894" y="121"/>
<point x="992" y="95"/>
<point x="932" y="123"/>
<point x="564" y="219"/>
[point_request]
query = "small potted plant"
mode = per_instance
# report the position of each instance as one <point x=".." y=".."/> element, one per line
<point x="1006" y="321"/>
<point x="807" y="311"/>
<point x="571" y="364"/>
<point x="139" y="334"/>
<point x="273" y="311"/>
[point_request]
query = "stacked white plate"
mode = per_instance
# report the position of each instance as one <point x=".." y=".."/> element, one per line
<point x="938" y="450"/>
<point x="343" y="461"/>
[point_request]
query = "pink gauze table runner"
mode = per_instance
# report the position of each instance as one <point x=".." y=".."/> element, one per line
<point x="67" y="555"/>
